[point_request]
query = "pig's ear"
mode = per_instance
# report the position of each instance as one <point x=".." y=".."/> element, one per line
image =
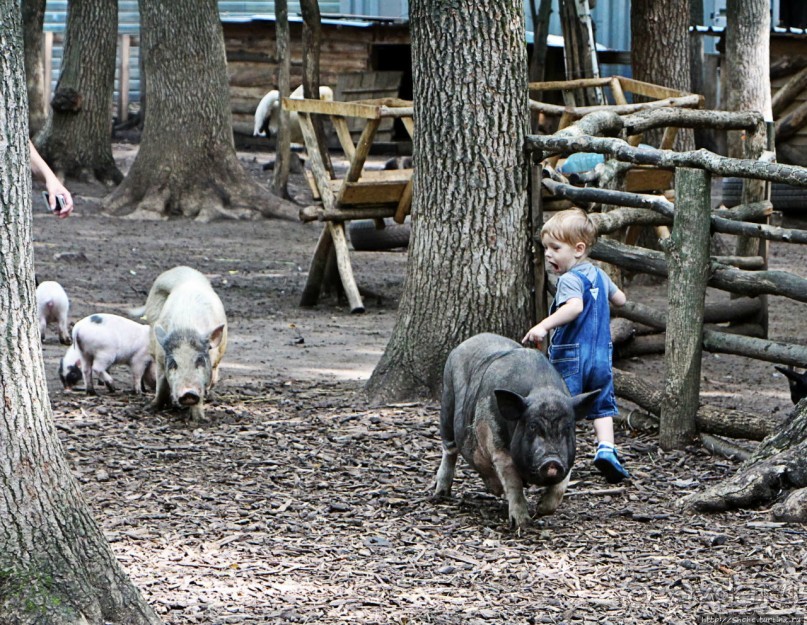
<point x="511" y="405"/>
<point x="160" y="335"/>
<point x="582" y="404"/>
<point x="215" y="336"/>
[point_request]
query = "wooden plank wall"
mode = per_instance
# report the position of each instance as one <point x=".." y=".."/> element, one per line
<point x="252" y="63"/>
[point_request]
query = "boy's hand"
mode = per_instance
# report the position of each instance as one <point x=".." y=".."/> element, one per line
<point x="536" y="335"/>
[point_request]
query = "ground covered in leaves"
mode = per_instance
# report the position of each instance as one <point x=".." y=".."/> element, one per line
<point x="297" y="502"/>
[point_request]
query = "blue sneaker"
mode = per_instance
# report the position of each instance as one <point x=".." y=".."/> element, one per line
<point x="607" y="462"/>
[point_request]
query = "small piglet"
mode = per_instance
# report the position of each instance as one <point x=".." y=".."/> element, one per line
<point x="52" y="306"/>
<point x="797" y="382"/>
<point x="188" y="337"/>
<point x="103" y="340"/>
<point x="509" y="414"/>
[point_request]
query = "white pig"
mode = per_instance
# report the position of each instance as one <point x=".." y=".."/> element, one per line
<point x="188" y="337"/>
<point x="103" y="340"/>
<point x="52" y="306"/>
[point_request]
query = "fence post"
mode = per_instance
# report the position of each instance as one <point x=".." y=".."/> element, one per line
<point x="687" y="252"/>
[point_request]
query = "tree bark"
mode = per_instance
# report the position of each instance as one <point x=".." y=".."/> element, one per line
<point x="660" y="49"/>
<point x="688" y="258"/>
<point x="777" y="464"/>
<point x="283" y="137"/>
<point x="187" y="165"/>
<point x="76" y="138"/>
<point x="747" y="62"/>
<point x="469" y="263"/>
<point x="56" y="567"/>
<point x="33" y="19"/>
<point x="579" y="48"/>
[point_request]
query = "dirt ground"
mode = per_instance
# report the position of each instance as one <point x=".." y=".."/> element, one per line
<point x="297" y="502"/>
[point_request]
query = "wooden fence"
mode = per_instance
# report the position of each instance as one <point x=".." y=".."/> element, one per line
<point x="685" y="259"/>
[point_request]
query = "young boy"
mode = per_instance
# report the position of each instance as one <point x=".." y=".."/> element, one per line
<point x="580" y="348"/>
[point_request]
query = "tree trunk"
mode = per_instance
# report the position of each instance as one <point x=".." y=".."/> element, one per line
<point x="76" y="139"/>
<point x="283" y="137"/>
<point x="468" y="268"/>
<point x="688" y="253"/>
<point x="747" y="63"/>
<point x="777" y="465"/>
<point x="187" y="165"/>
<point x="33" y="18"/>
<point x="55" y="564"/>
<point x="580" y="57"/>
<point x="660" y="55"/>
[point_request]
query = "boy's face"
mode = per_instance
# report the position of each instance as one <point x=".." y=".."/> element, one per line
<point x="561" y="256"/>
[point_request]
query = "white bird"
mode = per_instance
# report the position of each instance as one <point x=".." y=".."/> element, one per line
<point x="266" y="115"/>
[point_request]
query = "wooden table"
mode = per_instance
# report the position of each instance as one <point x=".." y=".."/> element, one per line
<point x="359" y="195"/>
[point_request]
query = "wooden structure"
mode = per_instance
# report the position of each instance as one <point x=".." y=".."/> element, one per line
<point x="349" y="46"/>
<point x="687" y="252"/>
<point x="360" y="194"/>
<point x="618" y="89"/>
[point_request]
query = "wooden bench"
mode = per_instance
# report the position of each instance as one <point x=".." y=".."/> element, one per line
<point x="360" y="194"/>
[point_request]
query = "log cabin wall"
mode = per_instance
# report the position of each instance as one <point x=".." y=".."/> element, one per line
<point x="346" y="48"/>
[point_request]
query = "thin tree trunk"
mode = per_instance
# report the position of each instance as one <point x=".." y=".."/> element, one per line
<point x="33" y="18"/>
<point x="187" y="164"/>
<point x="468" y="268"/>
<point x="747" y="63"/>
<point x="283" y="137"/>
<point x="56" y="567"/>
<point x="76" y="139"/>
<point x="312" y="42"/>
<point x="660" y="55"/>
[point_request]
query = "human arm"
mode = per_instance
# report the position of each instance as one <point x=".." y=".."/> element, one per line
<point x="566" y="313"/>
<point x="41" y="171"/>
<point x="618" y="298"/>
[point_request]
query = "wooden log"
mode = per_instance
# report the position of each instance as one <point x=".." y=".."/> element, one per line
<point x="742" y="262"/>
<point x="786" y="65"/>
<point x="758" y="231"/>
<point x="640" y="346"/>
<point x="656" y="203"/>
<point x="746" y="212"/>
<point x="578" y="112"/>
<point x="320" y="213"/>
<point x="791" y="123"/>
<point x="316" y="270"/>
<point x="711" y="419"/>
<point x="724" y="448"/>
<point x="788" y="92"/>
<point x="619" y="218"/>
<point x="337" y="230"/>
<point x="687" y="252"/>
<point x="721" y="312"/>
<point x="749" y="283"/>
<point x="622" y="330"/>
<point x="702" y="159"/>
<point x="689" y="118"/>
<point x="761" y="349"/>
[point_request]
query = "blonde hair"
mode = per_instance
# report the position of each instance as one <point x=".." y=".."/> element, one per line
<point x="571" y="226"/>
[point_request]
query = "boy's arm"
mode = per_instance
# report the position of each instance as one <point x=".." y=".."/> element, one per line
<point x="41" y="171"/>
<point x="567" y="313"/>
<point x="618" y="299"/>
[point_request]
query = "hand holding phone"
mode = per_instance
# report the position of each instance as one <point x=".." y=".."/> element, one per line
<point x="59" y="203"/>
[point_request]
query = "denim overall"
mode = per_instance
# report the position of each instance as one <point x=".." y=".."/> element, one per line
<point x="581" y="350"/>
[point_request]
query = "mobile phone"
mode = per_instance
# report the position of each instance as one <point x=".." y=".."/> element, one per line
<point x="59" y="202"/>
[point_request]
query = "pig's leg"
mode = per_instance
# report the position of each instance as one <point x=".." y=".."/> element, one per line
<point x="163" y="395"/>
<point x="64" y="333"/>
<point x="552" y="497"/>
<point x="513" y="488"/>
<point x="445" y="474"/>
<point x="43" y="324"/>
<point x="87" y="372"/>
<point x="106" y="378"/>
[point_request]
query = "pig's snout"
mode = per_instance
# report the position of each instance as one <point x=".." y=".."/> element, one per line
<point x="551" y="471"/>
<point x="189" y="398"/>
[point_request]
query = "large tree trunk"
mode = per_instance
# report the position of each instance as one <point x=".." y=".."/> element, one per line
<point x="55" y="564"/>
<point x="33" y="18"/>
<point x="468" y="268"/>
<point x="187" y="164"/>
<point x="746" y="61"/>
<point x="660" y="55"/>
<point x="76" y="139"/>
<point x="778" y="464"/>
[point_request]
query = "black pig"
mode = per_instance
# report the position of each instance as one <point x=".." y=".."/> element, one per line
<point x="509" y="414"/>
